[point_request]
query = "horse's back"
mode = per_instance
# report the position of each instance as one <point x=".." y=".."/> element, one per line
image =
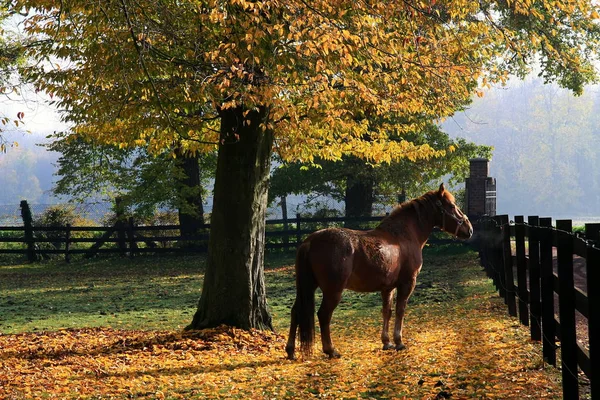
<point x="363" y="261"/>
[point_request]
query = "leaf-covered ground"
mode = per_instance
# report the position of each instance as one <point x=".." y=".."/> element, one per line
<point x="461" y="344"/>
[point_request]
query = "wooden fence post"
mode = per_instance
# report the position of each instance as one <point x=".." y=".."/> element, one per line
<point x="508" y="268"/>
<point x="487" y="254"/>
<point x="120" y="225"/>
<point x="521" y="269"/>
<point x="499" y="256"/>
<point x="298" y="234"/>
<point x="286" y="225"/>
<point x="535" y="305"/>
<point x="485" y="248"/>
<point x="547" y="291"/>
<point x="566" y="308"/>
<point x="488" y="242"/>
<point x="131" y="234"/>
<point x="488" y="231"/>
<point x="122" y="237"/>
<point x="593" y="291"/>
<point x="28" y="232"/>
<point x="592" y="232"/>
<point x="67" y="243"/>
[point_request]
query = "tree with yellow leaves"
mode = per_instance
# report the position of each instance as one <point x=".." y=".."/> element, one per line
<point x="10" y="57"/>
<point x="305" y="79"/>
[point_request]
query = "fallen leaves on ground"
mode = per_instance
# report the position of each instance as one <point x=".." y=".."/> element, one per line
<point x="466" y="350"/>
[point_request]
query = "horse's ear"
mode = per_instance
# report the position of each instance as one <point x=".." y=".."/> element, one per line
<point x="442" y="189"/>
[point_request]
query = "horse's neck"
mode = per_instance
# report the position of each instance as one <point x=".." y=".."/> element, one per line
<point x="414" y="219"/>
<point x="423" y="221"/>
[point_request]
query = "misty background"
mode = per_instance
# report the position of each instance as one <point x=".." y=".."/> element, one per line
<point x="546" y="150"/>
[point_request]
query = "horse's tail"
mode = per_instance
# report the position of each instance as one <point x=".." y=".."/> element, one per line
<point x="305" y="299"/>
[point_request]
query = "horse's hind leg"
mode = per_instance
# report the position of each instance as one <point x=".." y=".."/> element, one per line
<point x="404" y="292"/>
<point x="386" y="297"/>
<point x="330" y="302"/>
<point x="291" y="343"/>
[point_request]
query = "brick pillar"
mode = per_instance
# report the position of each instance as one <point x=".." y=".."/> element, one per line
<point x="481" y="189"/>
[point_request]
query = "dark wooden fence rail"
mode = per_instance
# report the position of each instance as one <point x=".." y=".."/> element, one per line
<point x="542" y="257"/>
<point x="127" y="238"/>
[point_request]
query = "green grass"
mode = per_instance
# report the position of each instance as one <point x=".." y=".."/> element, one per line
<point x="161" y="292"/>
<point x="144" y="293"/>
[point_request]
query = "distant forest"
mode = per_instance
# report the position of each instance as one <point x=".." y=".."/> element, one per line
<point x="546" y="151"/>
<point x="26" y="170"/>
<point x="546" y="147"/>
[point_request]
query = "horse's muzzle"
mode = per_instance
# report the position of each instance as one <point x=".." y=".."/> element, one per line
<point x="464" y="232"/>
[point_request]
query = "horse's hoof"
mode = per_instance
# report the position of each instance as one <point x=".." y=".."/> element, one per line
<point x="400" y="346"/>
<point x="388" y="346"/>
<point x="334" y="354"/>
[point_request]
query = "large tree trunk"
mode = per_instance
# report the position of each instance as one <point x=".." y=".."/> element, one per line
<point x="234" y="290"/>
<point x="359" y="197"/>
<point x="284" y="216"/>
<point x="191" y="211"/>
<point x="359" y="192"/>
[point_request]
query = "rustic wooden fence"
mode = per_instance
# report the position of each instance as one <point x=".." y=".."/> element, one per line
<point x="129" y="239"/>
<point x="532" y="265"/>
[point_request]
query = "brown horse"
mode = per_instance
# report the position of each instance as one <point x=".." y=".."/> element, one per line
<point x="383" y="259"/>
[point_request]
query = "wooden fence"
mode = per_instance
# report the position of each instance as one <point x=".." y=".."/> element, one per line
<point x="127" y="238"/>
<point x="532" y="266"/>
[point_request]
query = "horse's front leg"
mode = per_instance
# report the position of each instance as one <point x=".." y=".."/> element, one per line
<point x="386" y="297"/>
<point x="404" y="291"/>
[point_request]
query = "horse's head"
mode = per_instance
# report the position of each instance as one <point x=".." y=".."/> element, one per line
<point x="451" y="218"/>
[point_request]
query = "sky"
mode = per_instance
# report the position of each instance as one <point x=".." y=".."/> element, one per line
<point x="40" y="118"/>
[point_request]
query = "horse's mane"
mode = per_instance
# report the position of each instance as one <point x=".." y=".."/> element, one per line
<point x="395" y="223"/>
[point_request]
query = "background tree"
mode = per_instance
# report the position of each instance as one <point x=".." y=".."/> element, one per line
<point x="415" y="178"/>
<point x="387" y="181"/>
<point x="92" y="171"/>
<point x="545" y="142"/>
<point x="11" y="56"/>
<point x="251" y="76"/>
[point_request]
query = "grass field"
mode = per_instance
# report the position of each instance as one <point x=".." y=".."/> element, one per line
<point x="111" y="328"/>
<point x="161" y="292"/>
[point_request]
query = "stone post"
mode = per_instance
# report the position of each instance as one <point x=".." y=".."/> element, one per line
<point x="480" y="190"/>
